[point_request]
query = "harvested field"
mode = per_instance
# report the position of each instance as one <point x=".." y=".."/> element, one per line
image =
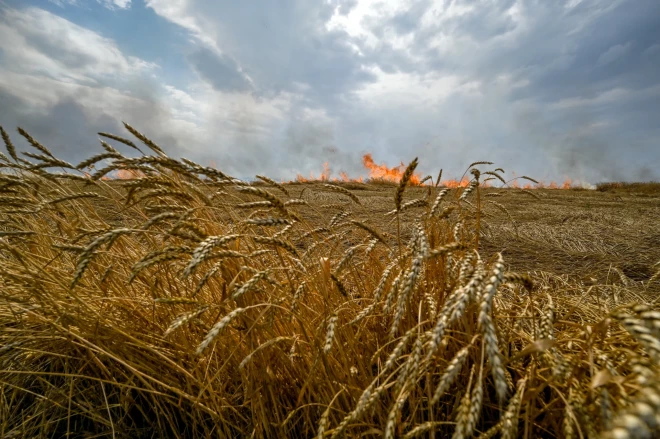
<point x="185" y="303"/>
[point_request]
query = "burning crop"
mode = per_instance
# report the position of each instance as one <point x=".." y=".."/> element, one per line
<point x="382" y="173"/>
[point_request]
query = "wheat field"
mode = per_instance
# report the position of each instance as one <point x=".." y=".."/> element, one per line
<point x="183" y="302"/>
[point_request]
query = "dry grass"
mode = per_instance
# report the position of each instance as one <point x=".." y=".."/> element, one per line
<point x="188" y="304"/>
<point x="640" y="188"/>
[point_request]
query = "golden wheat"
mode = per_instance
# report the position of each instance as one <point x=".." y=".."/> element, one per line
<point x="192" y="317"/>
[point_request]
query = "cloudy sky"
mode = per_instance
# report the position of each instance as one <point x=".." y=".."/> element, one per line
<point x="550" y="89"/>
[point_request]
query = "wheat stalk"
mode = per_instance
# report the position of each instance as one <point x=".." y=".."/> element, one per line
<point x="11" y="149"/>
<point x="450" y="374"/>
<point x="261" y="347"/>
<point x="250" y="283"/>
<point x="203" y="251"/>
<point x="32" y="141"/>
<point x="373" y="232"/>
<point x="144" y="140"/>
<point x="344" y="191"/>
<point x="184" y="318"/>
<point x="330" y="334"/>
<point x="510" y="417"/>
<point x="405" y="178"/>
<point x="438" y="200"/>
<point x="217" y="329"/>
<point x="273" y="183"/>
<point x="277" y="243"/>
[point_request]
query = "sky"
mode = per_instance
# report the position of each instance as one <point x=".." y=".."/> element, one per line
<point x="549" y="89"/>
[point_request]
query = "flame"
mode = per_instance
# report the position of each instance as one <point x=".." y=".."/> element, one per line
<point x="393" y="174"/>
<point x="453" y="184"/>
<point x="123" y="174"/>
<point x="128" y="174"/>
<point x="379" y="172"/>
<point x="325" y="175"/>
<point x="382" y="172"/>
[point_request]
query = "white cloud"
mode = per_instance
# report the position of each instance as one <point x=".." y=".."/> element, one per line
<point x="408" y="90"/>
<point x="110" y="4"/>
<point x="357" y="22"/>
<point x="178" y="12"/>
<point x="122" y="4"/>
<point x="38" y="42"/>
<point x="205" y="123"/>
<point x="49" y="62"/>
<point x="281" y="88"/>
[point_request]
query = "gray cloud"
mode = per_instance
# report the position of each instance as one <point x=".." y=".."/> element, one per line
<point x="613" y="54"/>
<point x="553" y="53"/>
<point x="538" y="87"/>
<point x="65" y="129"/>
<point x="220" y="71"/>
<point x="282" y="45"/>
<point x="68" y="128"/>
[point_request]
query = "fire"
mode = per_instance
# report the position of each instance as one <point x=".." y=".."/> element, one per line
<point x="123" y="174"/>
<point x="453" y="184"/>
<point x="382" y="172"/>
<point x="393" y="174"/>
<point x="128" y="174"/>
<point x="325" y="175"/>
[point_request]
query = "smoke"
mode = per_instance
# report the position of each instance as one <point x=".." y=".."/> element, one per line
<point x="579" y="144"/>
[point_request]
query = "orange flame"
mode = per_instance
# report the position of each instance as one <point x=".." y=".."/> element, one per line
<point x="128" y="174"/>
<point x="453" y="184"/>
<point x="376" y="171"/>
<point x="123" y="174"/>
<point x="325" y="175"/>
<point x="382" y="172"/>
